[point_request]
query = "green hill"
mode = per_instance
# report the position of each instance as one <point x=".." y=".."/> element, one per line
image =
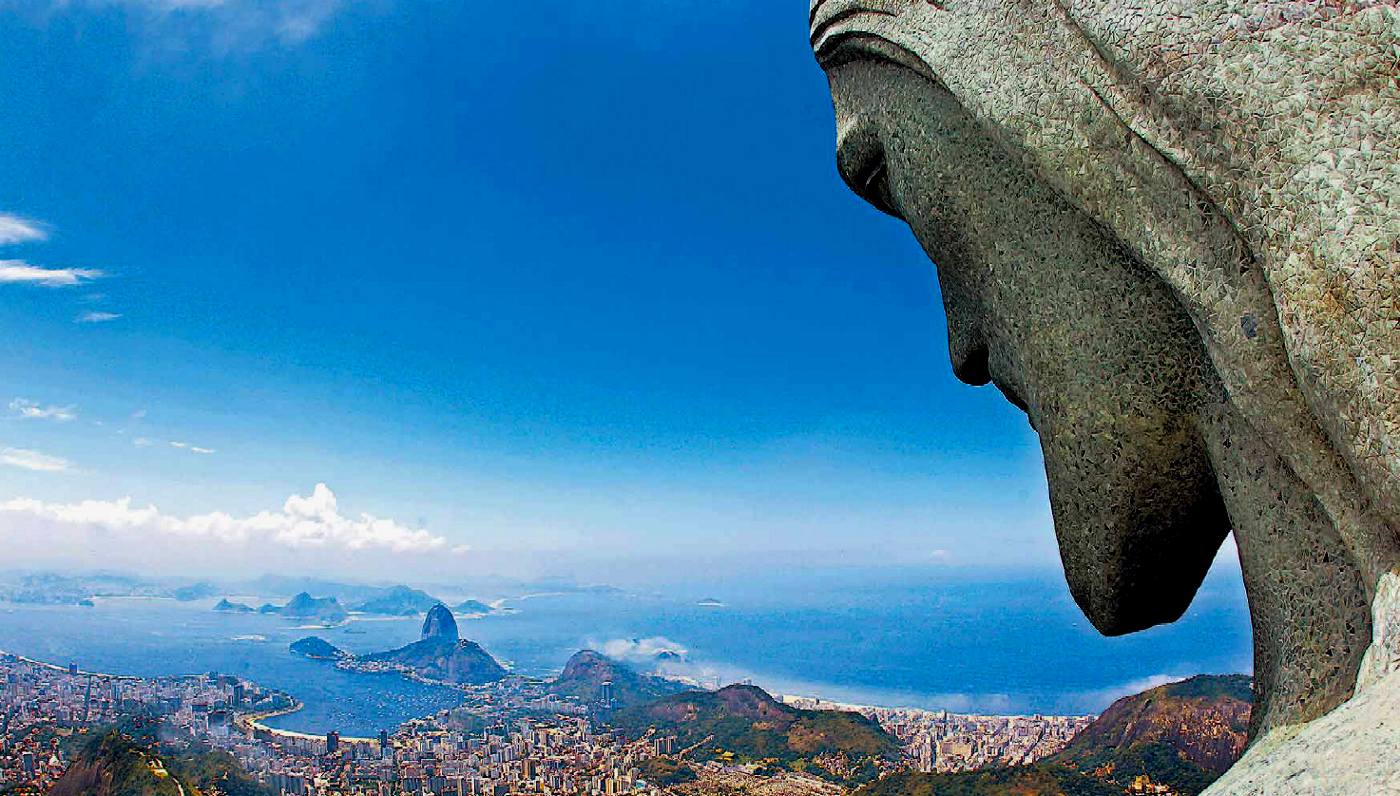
<point x="586" y="672"/>
<point x="111" y="763"/>
<point x="744" y="723"/>
<point x="1039" y="780"/>
<point x="317" y="648"/>
<point x="1182" y="735"/>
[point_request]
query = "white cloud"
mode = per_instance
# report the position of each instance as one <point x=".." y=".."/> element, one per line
<point x="205" y="451"/>
<point x="142" y="442"/>
<point x="23" y="407"/>
<point x="20" y="272"/>
<point x="640" y="650"/>
<point x="313" y="522"/>
<point x="1101" y="698"/>
<point x="34" y="460"/>
<point x="220" y="24"/>
<point x="179" y="444"/>
<point x="97" y="317"/>
<point x="14" y="229"/>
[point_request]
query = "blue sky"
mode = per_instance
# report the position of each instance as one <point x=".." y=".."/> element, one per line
<point x="528" y="277"/>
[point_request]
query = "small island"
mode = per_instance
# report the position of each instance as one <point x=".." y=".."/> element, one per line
<point x="474" y="608"/>
<point x="318" y="649"/>
<point x="325" y="610"/>
<point x="229" y="607"/>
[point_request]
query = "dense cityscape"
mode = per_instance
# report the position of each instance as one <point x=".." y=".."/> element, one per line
<point x="936" y="740"/>
<point x="508" y="737"/>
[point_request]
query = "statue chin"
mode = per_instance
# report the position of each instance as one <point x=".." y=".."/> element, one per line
<point x="1138" y="573"/>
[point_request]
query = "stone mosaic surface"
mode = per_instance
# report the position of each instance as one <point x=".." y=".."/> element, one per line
<point x="1170" y="231"/>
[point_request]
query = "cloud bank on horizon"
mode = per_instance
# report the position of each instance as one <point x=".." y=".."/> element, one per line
<point x="111" y="529"/>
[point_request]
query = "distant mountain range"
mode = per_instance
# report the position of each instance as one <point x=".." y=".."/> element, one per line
<point x="399" y="601"/>
<point x="744" y="723"/>
<point x="587" y="672"/>
<point x="46" y="588"/>
<point x="1182" y="736"/>
<point x="64" y="588"/>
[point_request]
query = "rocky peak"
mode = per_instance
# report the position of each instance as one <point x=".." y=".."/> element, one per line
<point x="440" y="624"/>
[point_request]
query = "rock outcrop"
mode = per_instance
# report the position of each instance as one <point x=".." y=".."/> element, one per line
<point x="440" y="624"/>
<point x="444" y="659"/>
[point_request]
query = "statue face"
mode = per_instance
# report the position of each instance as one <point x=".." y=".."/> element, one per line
<point x="1042" y="303"/>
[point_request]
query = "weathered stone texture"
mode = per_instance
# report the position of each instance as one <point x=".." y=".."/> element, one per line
<point x="1229" y="167"/>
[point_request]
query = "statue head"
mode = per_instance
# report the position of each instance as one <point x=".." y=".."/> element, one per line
<point x="1135" y="220"/>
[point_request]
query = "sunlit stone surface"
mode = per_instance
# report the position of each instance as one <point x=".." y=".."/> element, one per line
<point x="1171" y="233"/>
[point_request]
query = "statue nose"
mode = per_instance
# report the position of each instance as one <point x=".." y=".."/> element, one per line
<point x="970" y="359"/>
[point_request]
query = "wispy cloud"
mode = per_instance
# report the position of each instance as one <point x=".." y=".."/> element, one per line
<point x="142" y="442"/>
<point x="32" y="410"/>
<point x="192" y="448"/>
<point x="219" y="24"/>
<point x="34" y="460"/>
<point x="97" y="317"/>
<point x="14" y="229"/>
<point x="642" y="650"/>
<point x="1098" y="699"/>
<point x="21" y="272"/>
<point x="311" y="522"/>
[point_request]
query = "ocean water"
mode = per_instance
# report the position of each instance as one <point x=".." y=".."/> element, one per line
<point x="986" y="642"/>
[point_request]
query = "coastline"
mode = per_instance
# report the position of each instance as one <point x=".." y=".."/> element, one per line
<point x="249" y="722"/>
<point x="252" y="723"/>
